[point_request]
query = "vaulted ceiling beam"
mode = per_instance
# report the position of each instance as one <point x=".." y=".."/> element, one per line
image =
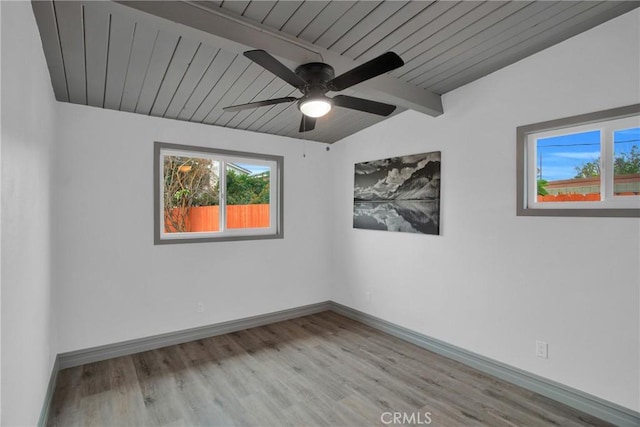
<point x="237" y="34"/>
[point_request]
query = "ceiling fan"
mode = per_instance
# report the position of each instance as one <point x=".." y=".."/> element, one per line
<point x="315" y="79"/>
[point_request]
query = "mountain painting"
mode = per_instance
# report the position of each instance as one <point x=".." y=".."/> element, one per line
<point x="398" y="194"/>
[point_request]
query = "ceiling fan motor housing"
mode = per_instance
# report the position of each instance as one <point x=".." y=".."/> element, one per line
<point x="316" y="74"/>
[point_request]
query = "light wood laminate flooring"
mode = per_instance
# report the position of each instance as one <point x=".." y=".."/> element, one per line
<point x="318" y="370"/>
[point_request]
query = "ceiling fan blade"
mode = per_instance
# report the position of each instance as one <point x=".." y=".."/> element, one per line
<point x="365" y="105"/>
<point x="270" y="63"/>
<point x="380" y="65"/>
<point x="307" y="123"/>
<point x="256" y="104"/>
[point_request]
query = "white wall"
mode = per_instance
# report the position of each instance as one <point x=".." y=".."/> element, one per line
<point x="28" y="116"/>
<point x="494" y="283"/>
<point x="0" y="220"/>
<point x="113" y="284"/>
<point x="82" y="214"/>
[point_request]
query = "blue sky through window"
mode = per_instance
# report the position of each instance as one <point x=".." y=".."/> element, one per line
<point x="624" y="140"/>
<point x="558" y="156"/>
<point x="255" y="169"/>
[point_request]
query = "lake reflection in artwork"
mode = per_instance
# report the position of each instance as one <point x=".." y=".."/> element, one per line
<point x="410" y="216"/>
<point x="398" y="194"/>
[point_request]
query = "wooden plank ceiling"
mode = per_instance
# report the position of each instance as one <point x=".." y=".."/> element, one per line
<point x="114" y="55"/>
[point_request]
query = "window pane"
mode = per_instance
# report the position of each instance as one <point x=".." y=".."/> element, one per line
<point x="568" y="167"/>
<point x="626" y="162"/>
<point x="247" y="196"/>
<point x="191" y="198"/>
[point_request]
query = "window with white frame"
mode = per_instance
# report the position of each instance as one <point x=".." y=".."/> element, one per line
<point x="204" y="194"/>
<point x="586" y="165"/>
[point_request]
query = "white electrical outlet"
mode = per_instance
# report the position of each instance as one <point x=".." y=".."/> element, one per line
<point x="542" y="349"/>
<point x="200" y="307"/>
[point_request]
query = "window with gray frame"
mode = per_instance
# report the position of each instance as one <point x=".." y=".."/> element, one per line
<point x="204" y="194"/>
<point x="586" y="165"/>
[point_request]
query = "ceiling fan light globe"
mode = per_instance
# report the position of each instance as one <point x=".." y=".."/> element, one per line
<point x="315" y="107"/>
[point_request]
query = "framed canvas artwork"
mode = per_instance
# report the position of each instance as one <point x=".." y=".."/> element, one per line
<point x="398" y="194"/>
